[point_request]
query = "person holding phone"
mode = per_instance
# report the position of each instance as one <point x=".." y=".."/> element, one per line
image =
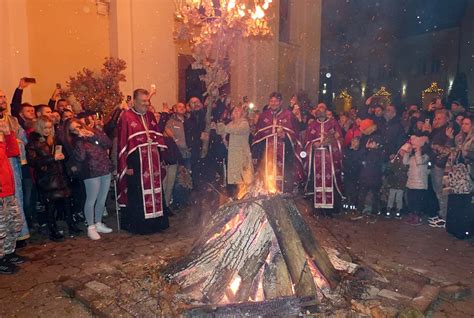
<point x="46" y="160"/>
<point x="442" y="140"/>
<point x="90" y="150"/>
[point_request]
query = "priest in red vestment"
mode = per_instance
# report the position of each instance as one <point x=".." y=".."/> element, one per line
<point x="139" y="168"/>
<point x="276" y="147"/>
<point x="323" y="164"/>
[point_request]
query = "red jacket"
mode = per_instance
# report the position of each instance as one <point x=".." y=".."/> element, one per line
<point x="352" y="132"/>
<point x="8" y="148"/>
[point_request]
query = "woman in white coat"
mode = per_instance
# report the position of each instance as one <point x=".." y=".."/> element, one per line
<point x="239" y="162"/>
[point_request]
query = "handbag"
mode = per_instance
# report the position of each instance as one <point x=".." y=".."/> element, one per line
<point x="459" y="177"/>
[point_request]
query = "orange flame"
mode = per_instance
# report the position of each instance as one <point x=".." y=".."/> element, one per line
<point x="318" y="278"/>
<point x="232" y="224"/>
<point x="243" y="189"/>
<point x="271" y="184"/>
<point x="234" y="286"/>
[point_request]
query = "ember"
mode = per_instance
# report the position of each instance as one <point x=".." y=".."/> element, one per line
<point x="255" y="249"/>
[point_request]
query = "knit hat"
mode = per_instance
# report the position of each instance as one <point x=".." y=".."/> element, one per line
<point x="367" y="126"/>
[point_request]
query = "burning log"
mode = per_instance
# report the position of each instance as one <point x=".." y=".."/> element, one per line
<point x="254" y="250"/>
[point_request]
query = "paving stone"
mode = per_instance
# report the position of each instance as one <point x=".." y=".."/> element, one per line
<point x="4" y="292"/>
<point x="113" y="311"/>
<point x="87" y="296"/>
<point x="100" y="288"/>
<point x="71" y="286"/>
<point x="47" y="276"/>
<point x="98" y="306"/>
<point x="465" y="308"/>
<point x="24" y="284"/>
<point x="70" y="271"/>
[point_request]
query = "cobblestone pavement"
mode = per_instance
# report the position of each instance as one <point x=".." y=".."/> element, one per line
<point x="36" y="290"/>
<point x="422" y="249"/>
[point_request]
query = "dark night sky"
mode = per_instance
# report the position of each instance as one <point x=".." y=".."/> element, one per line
<point x="355" y="22"/>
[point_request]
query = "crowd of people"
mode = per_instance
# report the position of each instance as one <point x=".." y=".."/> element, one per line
<point x="373" y="161"/>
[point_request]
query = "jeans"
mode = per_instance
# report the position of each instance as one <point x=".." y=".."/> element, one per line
<point x="96" y="195"/>
<point x="168" y="182"/>
<point x="16" y="167"/>
<point x="437" y="179"/>
<point x="395" y="197"/>
<point x="30" y="196"/>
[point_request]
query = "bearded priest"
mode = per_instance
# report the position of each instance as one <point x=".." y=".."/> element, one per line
<point x="322" y="144"/>
<point x="139" y="168"/>
<point x="276" y="147"/>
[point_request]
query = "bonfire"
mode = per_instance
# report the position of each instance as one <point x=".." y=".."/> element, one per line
<point x="256" y="249"/>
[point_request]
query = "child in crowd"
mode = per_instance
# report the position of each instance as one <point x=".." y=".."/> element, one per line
<point x="396" y="178"/>
<point x="417" y="183"/>
<point x="351" y="166"/>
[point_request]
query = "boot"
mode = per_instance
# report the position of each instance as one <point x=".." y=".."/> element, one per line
<point x="7" y="268"/>
<point x="54" y="234"/>
<point x="73" y="228"/>
<point x="78" y="217"/>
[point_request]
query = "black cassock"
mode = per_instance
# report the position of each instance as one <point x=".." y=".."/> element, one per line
<point x="133" y="219"/>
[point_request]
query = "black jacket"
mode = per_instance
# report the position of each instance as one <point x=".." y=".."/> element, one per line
<point x="440" y="146"/>
<point x="352" y="164"/>
<point x="49" y="173"/>
<point x="372" y="161"/>
<point x="394" y="137"/>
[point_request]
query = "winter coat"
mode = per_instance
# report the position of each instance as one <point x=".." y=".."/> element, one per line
<point x="441" y="146"/>
<point x="465" y="143"/>
<point x="49" y="174"/>
<point x="91" y="152"/>
<point x="194" y="126"/>
<point x="353" y="132"/>
<point x="171" y="154"/>
<point x="8" y="148"/>
<point x="397" y="173"/>
<point x="418" y="170"/>
<point x="372" y="161"/>
<point x="394" y="136"/>
<point x="177" y="126"/>
<point x="240" y="168"/>
<point x="352" y="164"/>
